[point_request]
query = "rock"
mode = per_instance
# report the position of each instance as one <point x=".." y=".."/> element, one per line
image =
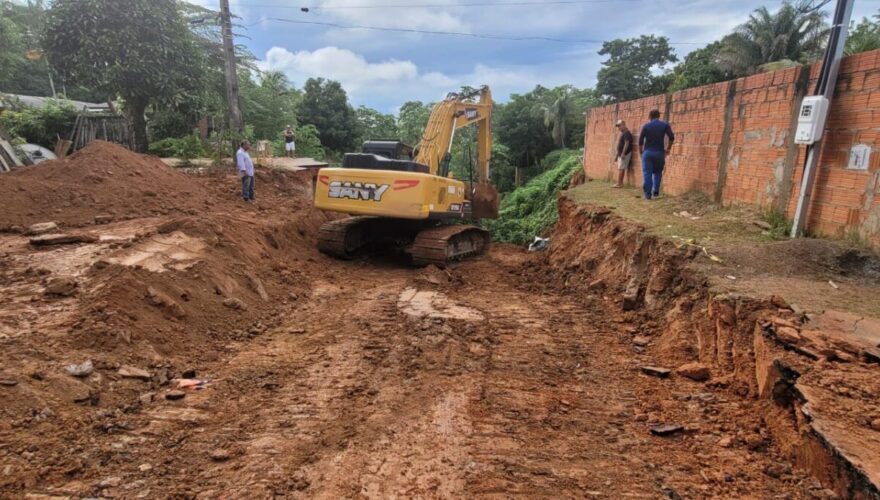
<point x="875" y="424"/>
<point x="788" y="334"/>
<point x="41" y="228"/>
<point x="175" y="395"/>
<point x="694" y="371"/>
<point x="110" y="482"/>
<point x="596" y="284"/>
<point x="641" y="341"/>
<point x="7" y="382"/>
<point x="162" y="300"/>
<point x="220" y="455"/>
<point x="234" y="303"/>
<point x="81" y="370"/>
<point x="296" y="331"/>
<point x="60" y="285"/>
<point x="145" y="467"/>
<point x="666" y="429"/>
<point x="656" y="371"/>
<point x="725" y="442"/>
<point x="60" y="239"/>
<point x="726" y="313"/>
<point x="871" y="354"/>
<point x="132" y="372"/>
<point x="191" y="373"/>
<point x="103" y="219"/>
<point x="754" y="441"/>
<point x="762" y="224"/>
<point x="777" y="470"/>
<point x="258" y="287"/>
<point x="146" y="398"/>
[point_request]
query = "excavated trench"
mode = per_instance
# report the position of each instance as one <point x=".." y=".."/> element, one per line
<point x="814" y="389"/>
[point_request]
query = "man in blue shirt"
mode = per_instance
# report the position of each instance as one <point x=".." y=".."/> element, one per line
<point x="246" y="171"/>
<point x="653" y="148"/>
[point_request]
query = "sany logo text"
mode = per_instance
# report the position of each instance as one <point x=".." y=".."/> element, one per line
<point x="357" y="190"/>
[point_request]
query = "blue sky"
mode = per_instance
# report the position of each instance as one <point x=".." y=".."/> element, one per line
<point x="384" y="69"/>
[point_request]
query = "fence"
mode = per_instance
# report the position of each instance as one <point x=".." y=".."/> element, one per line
<point x="734" y="141"/>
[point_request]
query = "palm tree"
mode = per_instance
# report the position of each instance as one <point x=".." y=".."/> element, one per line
<point x="556" y="115"/>
<point x="865" y="36"/>
<point x="796" y="33"/>
<point x="275" y="81"/>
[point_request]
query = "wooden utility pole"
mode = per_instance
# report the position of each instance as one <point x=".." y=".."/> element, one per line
<point x="235" y="121"/>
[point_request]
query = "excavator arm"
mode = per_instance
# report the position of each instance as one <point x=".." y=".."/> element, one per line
<point x="434" y="150"/>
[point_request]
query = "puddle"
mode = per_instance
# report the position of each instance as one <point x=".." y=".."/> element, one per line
<point x="176" y="250"/>
<point x="430" y="304"/>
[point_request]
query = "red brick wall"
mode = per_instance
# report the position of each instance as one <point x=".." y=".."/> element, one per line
<point x="761" y="166"/>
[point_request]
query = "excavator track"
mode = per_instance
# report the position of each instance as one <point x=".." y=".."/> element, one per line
<point x="344" y="238"/>
<point x="445" y="244"/>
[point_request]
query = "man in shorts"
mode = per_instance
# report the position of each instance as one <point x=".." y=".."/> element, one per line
<point x="624" y="151"/>
<point x="289" y="142"/>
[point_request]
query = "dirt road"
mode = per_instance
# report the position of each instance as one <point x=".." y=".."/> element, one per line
<point x="331" y="379"/>
<point x="390" y="382"/>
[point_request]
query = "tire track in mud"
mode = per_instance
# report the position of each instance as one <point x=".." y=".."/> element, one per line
<point x="360" y="392"/>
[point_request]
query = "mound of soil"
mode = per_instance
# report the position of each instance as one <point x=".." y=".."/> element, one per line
<point x="101" y="179"/>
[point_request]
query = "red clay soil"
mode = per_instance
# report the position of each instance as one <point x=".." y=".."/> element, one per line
<point x="512" y="374"/>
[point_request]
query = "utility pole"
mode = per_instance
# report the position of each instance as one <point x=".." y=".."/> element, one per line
<point x="824" y="87"/>
<point x="235" y="121"/>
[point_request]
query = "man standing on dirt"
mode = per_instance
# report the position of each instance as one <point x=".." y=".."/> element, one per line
<point x="624" y="151"/>
<point x="289" y="142"/>
<point x="653" y="148"/>
<point x="246" y="171"/>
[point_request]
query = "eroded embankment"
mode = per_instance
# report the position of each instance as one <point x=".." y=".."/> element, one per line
<point x="816" y="386"/>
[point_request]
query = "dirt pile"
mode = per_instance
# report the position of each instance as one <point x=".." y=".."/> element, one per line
<point x="809" y="383"/>
<point x="101" y="179"/>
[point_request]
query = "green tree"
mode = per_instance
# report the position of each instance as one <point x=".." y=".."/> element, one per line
<point x="796" y="33"/>
<point x="141" y="50"/>
<point x="269" y="106"/>
<point x="325" y="105"/>
<point x="557" y="114"/>
<point x="502" y="172"/>
<point x="629" y="71"/>
<point x="412" y="119"/>
<point x="375" y="125"/>
<point x="519" y="125"/>
<point x="864" y="37"/>
<point x="700" y="67"/>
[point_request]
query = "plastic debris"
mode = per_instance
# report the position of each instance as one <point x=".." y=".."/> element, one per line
<point x="539" y="245"/>
<point x="193" y="384"/>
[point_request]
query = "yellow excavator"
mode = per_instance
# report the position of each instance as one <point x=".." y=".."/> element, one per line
<point x="410" y="202"/>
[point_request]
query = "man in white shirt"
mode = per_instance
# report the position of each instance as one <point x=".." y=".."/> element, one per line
<point x="246" y="171"/>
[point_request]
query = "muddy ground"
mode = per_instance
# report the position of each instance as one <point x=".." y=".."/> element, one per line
<point x="331" y="379"/>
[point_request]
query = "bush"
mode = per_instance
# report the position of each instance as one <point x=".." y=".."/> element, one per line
<point x="531" y="209"/>
<point x="184" y="148"/>
<point x="43" y="125"/>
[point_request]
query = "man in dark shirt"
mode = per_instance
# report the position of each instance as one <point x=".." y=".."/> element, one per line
<point x="653" y="148"/>
<point x="624" y="151"/>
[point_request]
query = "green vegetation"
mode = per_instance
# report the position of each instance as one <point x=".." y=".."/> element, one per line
<point x="185" y="149"/>
<point x="628" y="73"/>
<point x="531" y="209"/>
<point x="40" y="125"/>
<point x="864" y="36"/>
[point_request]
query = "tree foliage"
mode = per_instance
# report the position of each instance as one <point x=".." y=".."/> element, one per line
<point x="865" y="36"/>
<point x="138" y="49"/>
<point x="519" y="125"/>
<point x="325" y="105"/>
<point x="374" y="125"/>
<point x="270" y="105"/>
<point x="412" y="119"/>
<point x="629" y="71"/>
<point x="796" y="32"/>
<point x="40" y="125"/>
<point x="700" y="67"/>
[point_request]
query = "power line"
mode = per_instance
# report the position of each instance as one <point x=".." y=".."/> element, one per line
<point x="514" y="3"/>
<point x="453" y="33"/>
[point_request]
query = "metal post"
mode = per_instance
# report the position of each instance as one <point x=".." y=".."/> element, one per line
<point x="826" y="84"/>
<point x="235" y="120"/>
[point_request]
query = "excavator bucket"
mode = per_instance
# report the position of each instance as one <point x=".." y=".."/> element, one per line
<point x="485" y="201"/>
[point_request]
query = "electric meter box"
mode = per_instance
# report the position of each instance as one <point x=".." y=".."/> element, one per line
<point x="811" y="119"/>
